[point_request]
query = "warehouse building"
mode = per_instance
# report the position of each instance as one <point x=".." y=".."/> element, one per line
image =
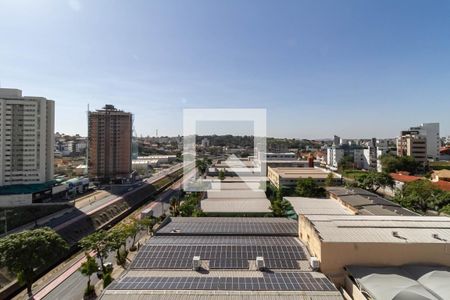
<point x="223" y="258"/>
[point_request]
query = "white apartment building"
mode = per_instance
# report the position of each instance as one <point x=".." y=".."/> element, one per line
<point x="433" y="140"/>
<point x="334" y="156"/>
<point x="26" y="138"/>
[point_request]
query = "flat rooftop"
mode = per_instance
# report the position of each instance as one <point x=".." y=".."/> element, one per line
<point x="235" y="197"/>
<point x="218" y="205"/>
<point x="381" y="229"/>
<point x="317" y="206"/>
<point x="294" y="173"/>
<point x="368" y="203"/>
<point x="229" y="226"/>
<point x="163" y="269"/>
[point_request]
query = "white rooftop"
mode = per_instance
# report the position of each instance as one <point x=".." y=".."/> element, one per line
<point x="317" y="206"/>
<point x="235" y="205"/>
<point x="381" y="229"/>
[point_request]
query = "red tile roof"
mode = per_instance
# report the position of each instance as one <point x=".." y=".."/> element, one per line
<point x="404" y="178"/>
<point x="442" y="185"/>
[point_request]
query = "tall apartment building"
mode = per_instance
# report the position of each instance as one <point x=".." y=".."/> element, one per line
<point x="26" y="138"/>
<point x="110" y="144"/>
<point x="412" y="143"/>
<point x="334" y="156"/>
<point x="431" y="132"/>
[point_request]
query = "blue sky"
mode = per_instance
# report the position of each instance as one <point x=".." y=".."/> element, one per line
<point x="352" y="68"/>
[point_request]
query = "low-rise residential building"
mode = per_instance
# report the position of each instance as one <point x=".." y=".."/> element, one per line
<point x="288" y="177"/>
<point x="363" y="202"/>
<point x="438" y="175"/>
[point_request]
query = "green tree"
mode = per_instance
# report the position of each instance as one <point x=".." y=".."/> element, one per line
<point x="329" y="181"/>
<point x="346" y="163"/>
<point x="148" y="223"/>
<point x="100" y="243"/>
<point x="174" y="206"/>
<point x="421" y="195"/>
<point x="373" y="181"/>
<point x="133" y="228"/>
<point x="25" y="252"/>
<point x="201" y="165"/>
<point x="280" y="206"/>
<point x="307" y="187"/>
<point x="191" y="206"/>
<point x="88" y="268"/>
<point x="117" y="237"/>
<point x="221" y="175"/>
<point x="391" y="164"/>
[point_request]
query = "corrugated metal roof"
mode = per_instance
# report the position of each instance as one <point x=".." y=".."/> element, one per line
<point x="316" y="206"/>
<point x="368" y="203"/>
<point x="381" y="229"/>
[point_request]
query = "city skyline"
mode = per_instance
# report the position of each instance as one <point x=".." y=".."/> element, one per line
<point x="319" y="68"/>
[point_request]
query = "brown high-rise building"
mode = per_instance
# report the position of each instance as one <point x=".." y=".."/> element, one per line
<point x="110" y="135"/>
<point x="412" y="143"/>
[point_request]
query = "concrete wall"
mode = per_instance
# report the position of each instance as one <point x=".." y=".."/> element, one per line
<point x="15" y="200"/>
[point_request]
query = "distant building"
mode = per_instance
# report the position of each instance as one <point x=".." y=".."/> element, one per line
<point x="205" y="143"/>
<point x="430" y="132"/>
<point x="371" y="155"/>
<point x="337" y="140"/>
<point x="26" y="138"/>
<point x="110" y="138"/>
<point x="288" y="177"/>
<point x="412" y="143"/>
<point x="334" y="156"/>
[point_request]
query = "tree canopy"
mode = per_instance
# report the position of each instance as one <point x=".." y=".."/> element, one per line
<point x="190" y="207"/>
<point x="280" y="206"/>
<point x="25" y="252"/>
<point x="221" y="175"/>
<point x="100" y="243"/>
<point x="391" y="163"/>
<point x="88" y="268"/>
<point x="374" y="180"/>
<point x="421" y="195"/>
<point x="307" y="187"/>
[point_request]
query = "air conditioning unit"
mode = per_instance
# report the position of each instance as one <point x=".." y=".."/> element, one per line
<point x="196" y="263"/>
<point x="314" y="263"/>
<point x="260" y="263"/>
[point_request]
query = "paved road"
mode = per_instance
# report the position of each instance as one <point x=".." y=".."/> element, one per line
<point x="72" y="288"/>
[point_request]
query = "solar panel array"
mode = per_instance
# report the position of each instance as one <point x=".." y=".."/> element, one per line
<point x="284" y="281"/>
<point x="222" y="253"/>
<point x="230" y="226"/>
<point x="223" y="240"/>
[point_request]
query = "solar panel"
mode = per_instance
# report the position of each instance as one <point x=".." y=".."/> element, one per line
<point x="229" y="226"/>
<point x="284" y="281"/>
<point x="227" y="256"/>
